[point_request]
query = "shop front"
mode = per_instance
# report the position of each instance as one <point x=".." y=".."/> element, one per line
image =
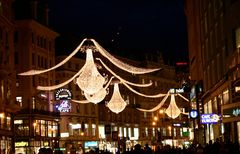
<point x="231" y="123"/>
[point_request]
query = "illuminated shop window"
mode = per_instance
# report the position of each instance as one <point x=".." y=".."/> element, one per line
<point x="43" y="128"/>
<point x="21" y="127"/>
<point x="93" y="129"/>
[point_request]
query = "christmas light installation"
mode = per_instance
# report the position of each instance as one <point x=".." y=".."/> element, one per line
<point x="172" y="111"/>
<point x="91" y="82"/>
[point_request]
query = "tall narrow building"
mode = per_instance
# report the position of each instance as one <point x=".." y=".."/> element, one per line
<point x="8" y="104"/>
<point x="37" y="123"/>
<point x="214" y="34"/>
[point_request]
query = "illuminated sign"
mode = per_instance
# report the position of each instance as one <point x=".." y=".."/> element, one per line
<point x="176" y="90"/>
<point x="63" y="94"/>
<point x="64" y="97"/>
<point x="21" y="144"/>
<point x="193" y="114"/>
<point x="64" y="134"/>
<point x="181" y="63"/>
<point x="231" y="112"/>
<point x="91" y="144"/>
<point x="236" y="112"/>
<point x="64" y="106"/>
<point x="209" y="118"/>
<point x="177" y="125"/>
<point x="18" y="121"/>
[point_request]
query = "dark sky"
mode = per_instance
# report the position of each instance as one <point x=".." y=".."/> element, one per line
<point x="126" y="27"/>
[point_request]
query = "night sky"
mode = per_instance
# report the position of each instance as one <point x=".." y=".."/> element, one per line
<point x="128" y="27"/>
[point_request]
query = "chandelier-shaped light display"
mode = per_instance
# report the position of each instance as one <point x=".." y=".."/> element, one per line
<point x="116" y="103"/>
<point x="173" y="111"/>
<point x="90" y="80"/>
<point x="120" y="64"/>
<point x="98" y="96"/>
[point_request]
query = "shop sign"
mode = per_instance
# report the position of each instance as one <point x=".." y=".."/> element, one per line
<point x="177" y="125"/>
<point x="64" y="106"/>
<point x="236" y="112"/>
<point x="209" y="118"/>
<point x="231" y="112"/>
<point x="21" y="144"/>
<point x="91" y="144"/>
<point x="193" y="114"/>
<point x="176" y="90"/>
<point x="63" y="94"/>
<point x="64" y="134"/>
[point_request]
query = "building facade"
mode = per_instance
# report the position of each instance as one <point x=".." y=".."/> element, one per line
<point x="213" y="28"/>
<point x="36" y="123"/>
<point x="8" y="105"/>
<point x="79" y="124"/>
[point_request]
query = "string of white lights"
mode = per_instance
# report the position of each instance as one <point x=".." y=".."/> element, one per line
<point x="156" y="107"/>
<point x="120" y="64"/>
<point x="61" y="84"/>
<point x="35" y="72"/>
<point x="121" y="79"/>
<point x="141" y="94"/>
<point x="183" y="97"/>
<point x="80" y="101"/>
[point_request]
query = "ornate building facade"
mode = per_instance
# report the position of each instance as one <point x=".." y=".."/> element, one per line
<point x="213" y="28"/>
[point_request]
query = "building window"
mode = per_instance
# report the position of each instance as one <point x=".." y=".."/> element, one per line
<point x="16" y="37"/>
<point x="146" y="131"/>
<point x="19" y="100"/>
<point x="237" y="35"/>
<point x="1" y="8"/>
<point x="93" y="129"/>
<point x="225" y="97"/>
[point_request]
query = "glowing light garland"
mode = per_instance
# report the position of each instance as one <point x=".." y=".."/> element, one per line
<point x="92" y="82"/>
<point x="156" y="107"/>
<point x="121" y="79"/>
<point x="172" y="111"/>
<point x="80" y="101"/>
<point x="35" y="72"/>
<point x="116" y="103"/>
<point x="61" y="84"/>
<point x="120" y="64"/>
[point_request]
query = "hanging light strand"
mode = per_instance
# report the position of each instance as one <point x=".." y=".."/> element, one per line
<point x="120" y="64"/>
<point x="35" y="72"/>
<point x="121" y="79"/>
<point x="156" y="107"/>
<point x="183" y="97"/>
<point x="61" y="84"/>
<point x="80" y="101"/>
<point x="141" y="94"/>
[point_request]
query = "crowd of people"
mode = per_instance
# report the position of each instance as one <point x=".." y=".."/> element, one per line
<point x="217" y="147"/>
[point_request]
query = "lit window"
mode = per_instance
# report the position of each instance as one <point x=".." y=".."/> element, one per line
<point x="19" y="99"/>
